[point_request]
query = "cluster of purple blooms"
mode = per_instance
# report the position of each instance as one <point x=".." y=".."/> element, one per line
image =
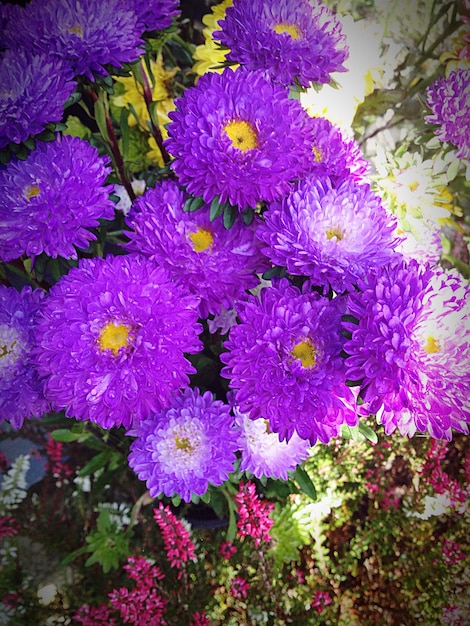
<point x="345" y="328"/>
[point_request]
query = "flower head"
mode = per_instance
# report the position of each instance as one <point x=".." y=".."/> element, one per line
<point x="217" y="264"/>
<point x="33" y="91"/>
<point x="21" y="392"/>
<point x="183" y="449"/>
<point x="156" y="14"/>
<point x="410" y="349"/>
<point x="88" y="35"/>
<point x="262" y="454"/>
<point x="209" y="56"/>
<point x="179" y="546"/>
<point x="112" y="337"/>
<point x="448" y="99"/>
<point x="334" y="154"/>
<point x="49" y="201"/>
<point x="254" y="515"/>
<point x="238" y="136"/>
<point x="331" y="234"/>
<point x="284" y="362"/>
<point x="291" y="40"/>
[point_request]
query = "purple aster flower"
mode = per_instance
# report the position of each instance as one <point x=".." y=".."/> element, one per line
<point x="49" y="201"/>
<point x="217" y="264"/>
<point x="291" y="40"/>
<point x="331" y="234"/>
<point x="284" y="363"/>
<point x="262" y="453"/>
<point x="21" y="392"/>
<point x="112" y="337"/>
<point x="449" y="101"/>
<point x="87" y="34"/>
<point x="334" y="155"/>
<point x="410" y="350"/>
<point x="238" y="136"/>
<point x="183" y="449"/>
<point x="33" y="91"/>
<point x="156" y="14"/>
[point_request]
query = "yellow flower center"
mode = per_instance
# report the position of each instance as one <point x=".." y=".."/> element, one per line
<point x="183" y="444"/>
<point x="32" y="191"/>
<point x="242" y="135"/>
<point x="317" y="155"/>
<point x="290" y="29"/>
<point x="202" y="239"/>
<point x="413" y="186"/>
<point x="432" y="345"/>
<point x="306" y="352"/>
<point x="114" y="337"/>
<point x="334" y="232"/>
<point x="5" y="350"/>
<point x="76" y="30"/>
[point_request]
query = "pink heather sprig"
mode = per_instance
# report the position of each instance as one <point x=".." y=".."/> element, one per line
<point x="179" y="547"/>
<point x="94" y="615"/>
<point x="254" y="515"/>
<point x="239" y="587"/>
<point x="321" y="599"/>
<point x="451" y="552"/>
<point x="55" y="465"/>
<point x="199" y="619"/>
<point x="433" y="474"/>
<point x="8" y="526"/>
<point x="452" y="615"/>
<point x="141" y="605"/>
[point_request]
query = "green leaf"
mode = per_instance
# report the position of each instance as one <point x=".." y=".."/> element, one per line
<point x="368" y="433"/>
<point x="248" y="216"/>
<point x="96" y="463"/>
<point x="64" y="435"/>
<point x="305" y="483"/>
<point x="453" y="170"/>
<point x="274" y="272"/>
<point x="216" y="209"/>
<point x="232" y="524"/>
<point x="124" y="125"/>
<point x="101" y="114"/>
<point x="230" y="213"/>
<point x="193" y="204"/>
<point x="176" y="500"/>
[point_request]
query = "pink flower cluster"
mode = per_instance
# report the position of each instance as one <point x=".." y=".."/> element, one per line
<point x="178" y="545"/>
<point x="55" y="465"/>
<point x="433" y="474"/>
<point x="94" y="615"/>
<point x="142" y="605"/>
<point x="254" y="515"/>
<point x="239" y="587"/>
<point x="451" y="552"/>
<point x="8" y="526"/>
<point x="227" y="549"/>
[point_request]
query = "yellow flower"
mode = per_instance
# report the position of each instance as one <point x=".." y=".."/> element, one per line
<point x="209" y="55"/>
<point x="133" y="95"/>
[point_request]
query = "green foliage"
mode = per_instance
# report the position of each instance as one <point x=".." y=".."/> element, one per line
<point x="108" y="544"/>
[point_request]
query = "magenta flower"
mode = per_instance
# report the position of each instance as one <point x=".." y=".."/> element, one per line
<point x="239" y="587"/>
<point x="285" y="365"/>
<point x="49" y="202"/>
<point x="238" y="136"/>
<point x="409" y="348"/>
<point x="214" y="263"/>
<point x="112" y="338"/>
<point x="448" y="99"/>
<point x="292" y="41"/>
<point x="184" y="448"/>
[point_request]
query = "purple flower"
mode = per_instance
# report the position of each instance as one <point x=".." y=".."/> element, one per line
<point x="156" y="14"/>
<point x="284" y="362"/>
<point x="112" y="337"/>
<point x="410" y="350"/>
<point x="217" y="264"/>
<point x="262" y="453"/>
<point x="291" y="40"/>
<point x="238" y="136"/>
<point x="86" y="34"/>
<point x="34" y="89"/>
<point x="183" y="449"/>
<point x="21" y="392"/>
<point x="49" y="201"/>
<point x="448" y="99"/>
<point x="335" y="155"/>
<point x="333" y="235"/>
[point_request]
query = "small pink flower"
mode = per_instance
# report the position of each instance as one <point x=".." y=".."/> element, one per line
<point x="8" y="526"/>
<point x="451" y="552"/>
<point x="227" y="549"/>
<point x="239" y="587"/>
<point x="94" y="615"/>
<point x="178" y="545"/>
<point x="320" y="600"/>
<point x="199" y="619"/>
<point x="254" y="515"/>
